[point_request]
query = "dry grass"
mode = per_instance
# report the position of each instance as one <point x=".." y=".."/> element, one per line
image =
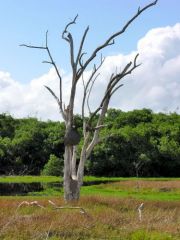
<point x="110" y="218"/>
<point x="155" y="185"/>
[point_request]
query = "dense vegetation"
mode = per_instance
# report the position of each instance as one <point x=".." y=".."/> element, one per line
<point x="134" y="143"/>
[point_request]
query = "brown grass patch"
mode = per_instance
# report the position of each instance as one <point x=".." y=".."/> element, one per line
<point x="109" y="217"/>
<point x="156" y="185"/>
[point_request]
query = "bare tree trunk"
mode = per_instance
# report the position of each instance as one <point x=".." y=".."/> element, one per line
<point x="71" y="186"/>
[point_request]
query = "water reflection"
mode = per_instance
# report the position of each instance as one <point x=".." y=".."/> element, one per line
<point x="20" y="189"/>
<point x="12" y="189"/>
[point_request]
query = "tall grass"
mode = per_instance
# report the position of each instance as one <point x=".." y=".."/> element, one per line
<point x="109" y="218"/>
<point x="112" y="213"/>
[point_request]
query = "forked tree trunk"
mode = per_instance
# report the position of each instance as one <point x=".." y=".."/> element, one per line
<point x="73" y="172"/>
<point x="71" y="190"/>
<point x="71" y="185"/>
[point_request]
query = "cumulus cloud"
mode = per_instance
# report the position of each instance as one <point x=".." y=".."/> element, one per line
<point x="155" y="84"/>
<point x="22" y="100"/>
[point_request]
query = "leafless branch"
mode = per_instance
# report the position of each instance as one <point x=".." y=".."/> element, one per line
<point x="57" y="72"/>
<point x="71" y="42"/>
<point x="53" y="94"/>
<point x="100" y="126"/>
<point x="56" y="98"/>
<point x="32" y="46"/>
<point x="69" y="39"/>
<point x="84" y="96"/>
<point x="121" y="85"/>
<point x="106" y="95"/>
<point x="55" y="67"/>
<point x="47" y="62"/>
<point x="66" y="28"/>
<point x="95" y="138"/>
<point x="79" y="55"/>
<point x="135" y="65"/>
<point x="113" y="86"/>
<point x="110" y="40"/>
<point x="116" y="78"/>
<point x="80" y="61"/>
<point x="110" y="90"/>
<point x="91" y="79"/>
<point x="89" y="92"/>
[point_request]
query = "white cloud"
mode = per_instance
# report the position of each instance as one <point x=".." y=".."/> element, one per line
<point x="29" y="99"/>
<point x="155" y="84"/>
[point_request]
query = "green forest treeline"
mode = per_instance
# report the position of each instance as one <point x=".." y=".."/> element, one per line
<point x="134" y="143"/>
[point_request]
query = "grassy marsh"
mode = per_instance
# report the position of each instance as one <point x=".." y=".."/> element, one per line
<point x="108" y="218"/>
<point x="112" y="213"/>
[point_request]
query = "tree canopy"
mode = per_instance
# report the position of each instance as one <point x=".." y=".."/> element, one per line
<point x="135" y="140"/>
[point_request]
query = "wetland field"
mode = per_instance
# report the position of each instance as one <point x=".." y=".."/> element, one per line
<point x="109" y="208"/>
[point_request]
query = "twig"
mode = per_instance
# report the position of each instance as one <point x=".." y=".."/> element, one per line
<point x="140" y="208"/>
<point x="48" y="233"/>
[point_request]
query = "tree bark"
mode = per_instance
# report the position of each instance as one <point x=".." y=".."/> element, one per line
<point x="71" y="185"/>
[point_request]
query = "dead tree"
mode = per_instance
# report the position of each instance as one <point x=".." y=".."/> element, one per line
<point x="73" y="170"/>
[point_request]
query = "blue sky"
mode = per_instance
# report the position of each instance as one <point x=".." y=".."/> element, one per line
<point x="23" y="21"/>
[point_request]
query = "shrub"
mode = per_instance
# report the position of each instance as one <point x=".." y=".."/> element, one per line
<point x="54" y="166"/>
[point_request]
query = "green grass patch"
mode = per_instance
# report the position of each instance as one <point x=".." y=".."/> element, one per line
<point x="147" y="235"/>
<point x="29" y="179"/>
<point x="141" y="194"/>
<point x="110" y="191"/>
<point x="48" y="179"/>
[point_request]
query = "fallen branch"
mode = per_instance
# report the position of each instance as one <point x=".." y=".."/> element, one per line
<point x="81" y="210"/>
<point x="33" y="203"/>
<point x="16" y="216"/>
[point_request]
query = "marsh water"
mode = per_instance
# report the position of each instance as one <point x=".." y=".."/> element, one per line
<point x="13" y="189"/>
